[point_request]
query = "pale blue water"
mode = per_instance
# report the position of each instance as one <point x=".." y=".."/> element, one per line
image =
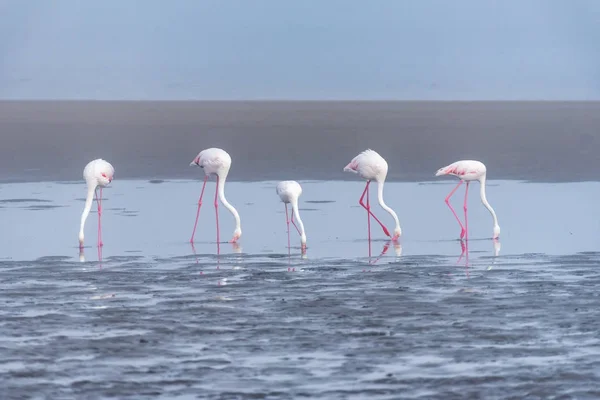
<point x="153" y="319"/>
<point x="156" y="219"/>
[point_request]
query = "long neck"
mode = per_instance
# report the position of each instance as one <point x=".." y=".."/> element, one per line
<point x="297" y="214"/>
<point x="385" y="206"/>
<point x="228" y="206"/>
<point x="485" y="202"/>
<point x="86" y="210"/>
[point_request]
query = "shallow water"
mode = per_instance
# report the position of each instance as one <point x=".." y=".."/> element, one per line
<point x="155" y="218"/>
<point x="153" y="317"/>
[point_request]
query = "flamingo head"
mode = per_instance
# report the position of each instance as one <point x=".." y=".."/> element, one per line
<point x="441" y="171"/>
<point x="236" y="235"/>
<point x="195" y="162"/>
<point x="104" y="178"/>
<point x="303" y="240"/>
<point x="397" y="233"/>
<point x="496" y="232"/>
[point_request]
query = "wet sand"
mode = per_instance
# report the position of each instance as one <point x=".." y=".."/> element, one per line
<point x="537" y="141"/>
<point x="412" y="328"/>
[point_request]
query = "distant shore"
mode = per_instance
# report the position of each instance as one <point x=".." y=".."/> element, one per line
<point x="302" y="140"/>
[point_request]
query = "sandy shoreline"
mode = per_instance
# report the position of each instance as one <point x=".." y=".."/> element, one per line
<point x="538" y="141"/>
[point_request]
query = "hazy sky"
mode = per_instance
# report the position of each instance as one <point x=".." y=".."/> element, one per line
<point x="302" y="49"/>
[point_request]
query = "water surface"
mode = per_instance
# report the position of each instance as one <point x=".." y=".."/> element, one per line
<point x="158" y="318"/>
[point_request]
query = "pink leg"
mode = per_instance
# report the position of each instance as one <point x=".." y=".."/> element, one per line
<point x="465" y="208"/>
<point x="196" y="255"/>
<point x="462" y="228"/>
<point x="368" y="208"/>
<point x="287" y="222"/>
<point x="100" y="257"/>
<point x="99" y="202"/>
<point x="298" y="229"/>
<point x="217" y="208"/>
<point x="218" y="255"/>
<point x="369" y="219"/>
<point x="198" y="212"/>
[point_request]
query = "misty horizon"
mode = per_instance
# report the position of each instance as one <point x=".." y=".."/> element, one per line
<point x="314" y="50"/>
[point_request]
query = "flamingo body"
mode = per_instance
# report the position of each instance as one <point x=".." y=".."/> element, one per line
<point x="467" y="171"/>
<point x="217" y="162"/>
<point x="97" y="174"/>
<point x="213" y="161"/>
<point x="370" y="165"/>
<point x="289" y="192"/>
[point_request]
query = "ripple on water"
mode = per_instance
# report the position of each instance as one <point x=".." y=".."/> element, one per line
<point x="244" y="326"/>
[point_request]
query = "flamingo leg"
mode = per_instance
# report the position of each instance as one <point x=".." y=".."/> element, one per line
<point x="369" y="219"/>
<point x="219" y="257"/>
<point x="287" y="222"/>
<point x="462" y="228"/>
<point x="198" y="212"/>
<point x="298" y="229"/>
<point x="368" y="208"/>
<point x="100" y="257"/>
<point x="217" y="215"/>
<point x="99" y="202"/>
<point x="217" y="208"/>
<point x="465" y="208"/>
<point x="195" y="254"/>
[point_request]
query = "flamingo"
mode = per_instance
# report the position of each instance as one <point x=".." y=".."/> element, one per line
<point x="97" y="174"/>
<point x="216" y="162"/>
<point x="289" y="192"/>
<point x="467" y="171"/>
<point x="371" y="166"/>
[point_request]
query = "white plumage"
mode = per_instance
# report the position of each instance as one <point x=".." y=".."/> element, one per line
<point x="370" y="165"/>
<point x="97" y="174"/>
<point x="289" y="192"/>
<point x="217" y="162"/>
<point x="467" y="171"/>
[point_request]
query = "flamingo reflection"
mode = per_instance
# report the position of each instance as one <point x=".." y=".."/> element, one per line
<point x="82" y="255"/>
<point x="464" y="245"/>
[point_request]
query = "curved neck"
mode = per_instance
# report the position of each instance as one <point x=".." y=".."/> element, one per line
<point x="485" y="202"/>
<point x="86" y="209"/>
<point x="385" y="206"/>
<point x="228" y="206"/>
<point x="297" y="214"/>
